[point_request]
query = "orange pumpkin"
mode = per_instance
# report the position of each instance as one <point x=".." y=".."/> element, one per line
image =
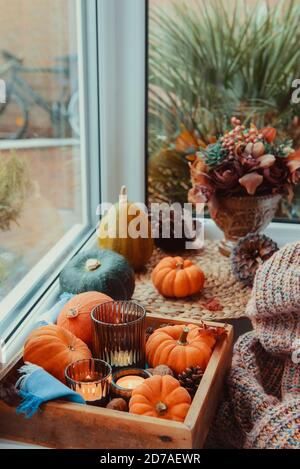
<point x="54" y="348"/>
<point x="181" y="347"/>
<point x="269" y="134"/>
<point x="176" y="277"/>
<point x="76" y="314"/>
<point x="160" y="396"/>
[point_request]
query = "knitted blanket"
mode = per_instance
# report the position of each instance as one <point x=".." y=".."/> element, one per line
<point x="261" y="405"/>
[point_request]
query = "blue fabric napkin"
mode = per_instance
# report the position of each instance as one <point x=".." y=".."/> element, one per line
<point x="37" y="386"/>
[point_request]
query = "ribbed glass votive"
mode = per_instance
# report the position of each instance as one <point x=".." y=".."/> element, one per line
<point x="91" y="378"/>
<point x="119" y="333"/>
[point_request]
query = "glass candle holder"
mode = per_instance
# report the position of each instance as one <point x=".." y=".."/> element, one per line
<point x="126" y="380"/>
<point x="119" y="335"/>
<point x="91" y="378"/>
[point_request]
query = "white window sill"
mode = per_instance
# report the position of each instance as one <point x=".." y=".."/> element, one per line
<point x="282" y="233"/>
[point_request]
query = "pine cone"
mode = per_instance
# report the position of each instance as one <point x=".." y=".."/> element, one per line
<point x="177" y="231"/>
<point x="9" y="394"/>
<point x="249" y="253"/>
<point x="190" y="379"/>
<point x="149" y="331"/>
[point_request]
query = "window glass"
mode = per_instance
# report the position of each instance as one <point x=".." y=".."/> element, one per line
<point x="42" y="197"/>
<point x="209" y="61"/>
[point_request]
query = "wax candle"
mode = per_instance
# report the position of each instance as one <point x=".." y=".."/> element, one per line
<point x="125" y="380"/>
<point x="90" y="391"/>
<point x="130" y="381"/>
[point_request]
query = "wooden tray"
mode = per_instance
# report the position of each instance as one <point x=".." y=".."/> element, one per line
<point x="64" y="425"/>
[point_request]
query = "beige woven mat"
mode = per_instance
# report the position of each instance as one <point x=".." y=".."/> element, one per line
<point x="220" y="285"/>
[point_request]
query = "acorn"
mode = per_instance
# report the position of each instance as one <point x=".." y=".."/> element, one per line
<point x="162" y="370"/>
<point x="118" y="404"/>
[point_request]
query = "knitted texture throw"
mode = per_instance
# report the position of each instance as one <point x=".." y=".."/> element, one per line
<point x="261" y="405"/>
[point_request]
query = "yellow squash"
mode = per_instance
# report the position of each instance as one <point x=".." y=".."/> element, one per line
<point x="125" y="229"/>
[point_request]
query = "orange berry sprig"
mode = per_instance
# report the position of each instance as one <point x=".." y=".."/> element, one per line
<point x="240" y="135"/>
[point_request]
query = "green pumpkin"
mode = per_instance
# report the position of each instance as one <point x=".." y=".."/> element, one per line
<point x="99" y="270"/>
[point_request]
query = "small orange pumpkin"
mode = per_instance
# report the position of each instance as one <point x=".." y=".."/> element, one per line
<point x="181" y="347"/>
<point x="160" y="396"/>
<point x="76" y="314"/>
<point x="54" y="348"/>
<point x="176" y="277"/>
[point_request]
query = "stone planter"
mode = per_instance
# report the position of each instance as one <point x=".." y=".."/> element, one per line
<point x="238" y="216"/>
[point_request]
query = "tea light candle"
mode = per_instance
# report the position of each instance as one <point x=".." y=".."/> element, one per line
<point x="130" y="381"/>
<point x="90" y="391"/>
<point x="125" y="381"/>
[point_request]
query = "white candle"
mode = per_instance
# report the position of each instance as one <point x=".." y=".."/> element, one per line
<point x="130" y="381"/>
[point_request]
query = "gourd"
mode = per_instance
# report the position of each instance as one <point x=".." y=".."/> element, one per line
<point x="181" y="347"/>
<point x="176" y="277"/>
<point x="99" y="270"/>
<point x="76" y="314"/>
<point x="54" y="348"/>
<point x="160" y="396"/>
<point x="137" y="250"/>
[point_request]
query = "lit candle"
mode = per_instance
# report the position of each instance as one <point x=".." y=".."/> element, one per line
<point x="130" y="381"/>
<point x="90" y="391"/>
<point x="121" y="358"/>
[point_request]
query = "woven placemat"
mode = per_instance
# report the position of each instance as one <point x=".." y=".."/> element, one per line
<point x="230" y="296"/>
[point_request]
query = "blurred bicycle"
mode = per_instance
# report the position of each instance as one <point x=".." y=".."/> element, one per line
<point x="20" y="96"/>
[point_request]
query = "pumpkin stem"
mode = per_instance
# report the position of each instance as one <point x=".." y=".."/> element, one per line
<point x="161" y="408"/>
<point x="180" y="265"/>
<point x="123" y="197"/>
<point x="92" y="264"/>
<point x="72" y="313"/>
<point x="123" y="191"/>
<point x="183" y="336"/>
<point x="203" y="325"/>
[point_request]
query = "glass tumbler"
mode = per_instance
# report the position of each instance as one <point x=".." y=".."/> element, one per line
<point x="91" y="378"/>
<point x="119" y="333"/>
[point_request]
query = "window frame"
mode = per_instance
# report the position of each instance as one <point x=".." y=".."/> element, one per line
<point x="113" y="35"/>
<point x="18" y="305"/>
